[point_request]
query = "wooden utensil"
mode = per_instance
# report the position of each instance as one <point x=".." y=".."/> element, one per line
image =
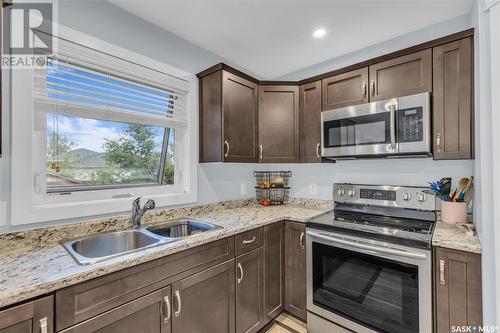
<point x="462" y="183"/>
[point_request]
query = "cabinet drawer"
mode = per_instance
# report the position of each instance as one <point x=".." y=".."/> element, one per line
<point x="248" y="240"/>
<point x="91" y="298"/>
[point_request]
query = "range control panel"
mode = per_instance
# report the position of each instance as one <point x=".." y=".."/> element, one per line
<point x="385" y="195"/>
<point x="366" y="193"/>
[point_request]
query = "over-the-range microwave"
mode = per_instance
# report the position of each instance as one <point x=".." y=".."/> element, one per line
<point x="395" y="127"/>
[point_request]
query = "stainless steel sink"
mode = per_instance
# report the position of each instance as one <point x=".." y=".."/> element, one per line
<point x="93" y="248"/>
<point x="182" y="228"/>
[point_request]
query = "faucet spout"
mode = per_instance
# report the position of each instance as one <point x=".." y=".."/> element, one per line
<point x="138" y="212"/>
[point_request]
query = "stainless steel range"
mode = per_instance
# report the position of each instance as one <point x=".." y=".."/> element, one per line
<point x="369" y="261"/>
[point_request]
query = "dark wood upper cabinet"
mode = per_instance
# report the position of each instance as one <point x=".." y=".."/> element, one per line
<point x="228" y="118"/>
<point x="457" y="285"/>
<point x="29" y="317"/>
<point x="406" y="75"/>
<point x="249" y="292"/>
<point x="345" y="89"/>
<point x="148" y="314"/>
<point x="279" y="124"/>
<point x="310" y="122"/>
<point x="295" y="269"/>
<point x="204" y="302"/>
<point x="274" y="270"/>
<point x="453" y="100"/>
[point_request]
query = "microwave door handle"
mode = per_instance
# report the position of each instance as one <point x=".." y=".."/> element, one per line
<point x="393" y="126"/>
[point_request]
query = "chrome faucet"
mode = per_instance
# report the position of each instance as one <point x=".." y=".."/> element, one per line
<point x="138" y="212"/>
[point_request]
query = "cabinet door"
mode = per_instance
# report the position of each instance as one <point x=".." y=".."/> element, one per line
<point x="279" y="124"/>
<point x="295" y="269"/>
<point x="452" y="100"/>
<point x="34" y="316"/>
<point x="249" y="292"/>
<point x="345" y="89"/>
<point x="457" y="289"/>
<point x="204" y="302"/>
<point x="310" y="122"/>
<point x="274" y="270"/>
<point x="148" y="314"/>
<point x="239" y="107"/>
<point x="406" y="75"/>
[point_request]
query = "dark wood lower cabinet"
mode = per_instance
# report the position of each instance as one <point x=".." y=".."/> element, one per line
<point x="249" y="292"/>
<point x="295" y="269"/>
<point x="457" y="289"/>
<point x="274" y="270"/>
<point x="148" y="314"/>
<point x="204" y="302"/>
<point x="29" y="317"/>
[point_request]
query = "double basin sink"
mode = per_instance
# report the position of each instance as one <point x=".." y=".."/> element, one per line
<point x="91" y="249"/>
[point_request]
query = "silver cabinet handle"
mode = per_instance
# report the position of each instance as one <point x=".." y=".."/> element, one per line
<point x="302" y="245"/>
<point x="373" y="87"/>
<point x="238" y="280"/>
<point x="317" y="150"/>
<point x="179" y="303"/>
<point x="226" y="144"/>
<point x="363" y="90"/>
<point x="438" y="142"/>
<point x="441" y="272"/>
<point x="249" y="241"/>
<point x="166" y="316"/>
<point x="260" y="151"/>
<point x="43" y="325"/>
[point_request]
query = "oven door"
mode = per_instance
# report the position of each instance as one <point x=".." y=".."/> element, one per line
<point x="368" y="286"/>
<point x="360" y="130"/>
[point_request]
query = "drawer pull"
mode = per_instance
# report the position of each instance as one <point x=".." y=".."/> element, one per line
<point x="179" y="303"/>
<point x="260" y="151"/>
<point x="317" y="150"/>
<point x="166" y="316"/>
<point x="249" y="241"/>
<point x="241" y="273"/>
<point x="441" y="272"/>
<point x="302" y="245"/>
<point x="438" y="142"/>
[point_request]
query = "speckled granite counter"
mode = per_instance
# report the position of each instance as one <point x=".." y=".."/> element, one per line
<point x="33" y="263"/>
<point x="455" y="237"/>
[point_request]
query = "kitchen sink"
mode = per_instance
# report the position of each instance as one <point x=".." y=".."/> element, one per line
<point x="182" y="228"/>
<point x="91" y="249"/>
<point x="94" y="248"/>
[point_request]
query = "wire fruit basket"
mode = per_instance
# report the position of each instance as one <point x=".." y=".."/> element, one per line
<point x="272" y="187"/>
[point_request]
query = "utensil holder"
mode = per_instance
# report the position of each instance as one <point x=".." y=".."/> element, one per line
<point x="453" y="212"/>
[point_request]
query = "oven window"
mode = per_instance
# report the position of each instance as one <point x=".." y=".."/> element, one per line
<point x="377" y="293"/>
<point x="357" y="131"/>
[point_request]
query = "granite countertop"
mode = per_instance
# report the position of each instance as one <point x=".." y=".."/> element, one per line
<point x="37" y="264"/>
<point x="452" y="236"/>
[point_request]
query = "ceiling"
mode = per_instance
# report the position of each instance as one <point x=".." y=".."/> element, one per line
<point x="273" y="38"/>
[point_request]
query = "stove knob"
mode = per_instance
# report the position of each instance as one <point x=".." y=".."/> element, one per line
<point x="340" y="192"/>
<point x="421" y="197"/>
<point x="406" y="196"/>
<point x="351" y="193"/>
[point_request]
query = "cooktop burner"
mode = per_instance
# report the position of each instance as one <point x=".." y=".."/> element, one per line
<point x="407" y="225"/>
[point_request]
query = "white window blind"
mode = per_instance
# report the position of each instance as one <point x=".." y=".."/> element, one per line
<point x="88" y="83"/>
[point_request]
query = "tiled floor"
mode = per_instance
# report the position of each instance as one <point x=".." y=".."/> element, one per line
<point x="287" y="324"/>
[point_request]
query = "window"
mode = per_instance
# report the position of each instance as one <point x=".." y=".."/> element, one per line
<point x="108" y="125"/>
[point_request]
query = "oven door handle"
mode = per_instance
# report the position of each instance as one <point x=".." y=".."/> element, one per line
<point x="372" y="248"/>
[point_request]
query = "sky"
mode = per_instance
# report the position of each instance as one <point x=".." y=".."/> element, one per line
<point x="91" y="133"/>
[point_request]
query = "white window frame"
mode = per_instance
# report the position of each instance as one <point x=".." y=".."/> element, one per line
<point x="29" y="201"/>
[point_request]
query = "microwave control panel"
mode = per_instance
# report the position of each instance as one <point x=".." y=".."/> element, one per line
<point x="411" y="125"/>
